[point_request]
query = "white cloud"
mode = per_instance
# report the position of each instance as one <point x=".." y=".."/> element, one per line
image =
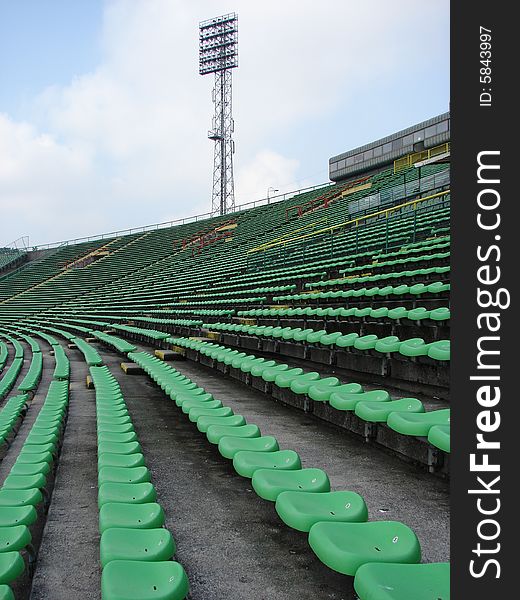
<point x="267" y="167"/>
<point x="125" y="145"/>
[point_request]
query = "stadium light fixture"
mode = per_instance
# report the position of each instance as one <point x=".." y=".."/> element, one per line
<point x="218" y="54"/>
<point x="270" y="189"/>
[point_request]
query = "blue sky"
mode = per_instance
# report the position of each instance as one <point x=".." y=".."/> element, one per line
<point x="45" y="42"/>
<point x="103" y="116"/>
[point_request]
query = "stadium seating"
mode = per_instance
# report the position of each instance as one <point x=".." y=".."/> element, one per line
<point x="340" y="310"/>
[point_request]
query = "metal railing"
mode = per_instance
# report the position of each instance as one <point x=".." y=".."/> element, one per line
<point x="296" y="249"/>
<point x="192" y="219"/>
<point x="352" y="222"/>
<point x="410" y="159"/>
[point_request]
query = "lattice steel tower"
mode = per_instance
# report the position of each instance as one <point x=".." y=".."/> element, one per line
<point x="218" y="53"/>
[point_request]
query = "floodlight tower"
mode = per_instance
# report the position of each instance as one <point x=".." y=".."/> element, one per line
<point x="218" y="53"/>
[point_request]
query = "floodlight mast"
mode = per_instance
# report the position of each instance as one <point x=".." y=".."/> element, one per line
<point x="218" y="54"/>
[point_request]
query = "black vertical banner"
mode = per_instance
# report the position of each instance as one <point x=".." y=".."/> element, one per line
<point x="485" y="330"/>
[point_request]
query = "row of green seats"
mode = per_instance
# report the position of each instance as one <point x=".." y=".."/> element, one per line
<point x="151" y="333"/>
<point x="398" y="261"/>
<point x="158" y="321"/>
<point x="32" y="378"/>
<point x="262" y="290"/>
<point x="119" y="344"/>
<point x="404" y="415"/>
<point x="25" y="486"/>
<point x="395" y="314"/>
<point x="4" y="355"/>
<point x="407" y="250"/>
<point x="10" y="413"/>
<point x="336" y="521"/>
<point x="376" y="292"/>
<point x="136" y="550"/>
<point x="400" y="275"/>
<point x="11" y="375"/>
<point x="62" y="368"/>
<point x="412" y="348"/>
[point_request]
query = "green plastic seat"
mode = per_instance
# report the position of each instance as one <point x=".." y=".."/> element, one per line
<point x="29" y="497"/>
<point x="440" y="314"/>
<point x="388" y="344"/>
<point x="413" y="347"/>
<point x="12" y="566"/>
<point x="15" y="537"/>
<point x="258" y="368"/>
<point x="123" y="438"/>
<point x="378" y="313"/>
<point x="229" y="446"/>
<point x="119" y="448"/>
<point x="285" y="378"/>
<point x="187" y="405"/>
<point x="375" y="412"/>
<point x="439" y="350"/>
<point x="438" y="287"/>
<point x="180" y="399"/>
<point x="36" y="448"/>
<point x="397" y="313"/>
<point x="246" y="462"/>
<point x="439" y="436"/>
<point x="301" y="336"/>
<point x="418" y="289"/>
<point x="272" y="373"/>
<point x="108" y="420"/>
<point x="347" y="341"/>
<point x="115" y="427"/>
<point x="247" y="365"/>
<point x="361" y="313"/>
<point x="321" y="390"/>
<point x="128" y="493"/>
<point x="24" y="482"/>
<point x="301" y="510"/>
<point x="138" y="580"/>
<point x="121" y="543"/>
<point x="38" y="439"/>
<point x="269" y="483"/>
<point x="6" y="593"/>
<point x="123" y="475"/>
<point x="21" y="468"/>
<point x="17" y="515"/>
<point x="418" y="314"/>
<point x="232" y="421"/>
<point x="196" y="412"/>
<point x="120" y="460"/>
<point x="216" y="432"/>
<point x="330" y="338"/>
<point x="348" y="401"/>
<point x="133" y="516"/>
<point x="418" y="424"/>
<point x="344" y="547"/>
<point x="301" y="384"/>
<point x="380" y="581"/>
<point x="366" y="342"/>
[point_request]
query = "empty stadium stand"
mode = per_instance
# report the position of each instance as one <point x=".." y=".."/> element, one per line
<point x="255" y="406"/>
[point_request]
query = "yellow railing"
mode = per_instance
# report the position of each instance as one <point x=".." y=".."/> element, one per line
<point x="281" y="238"/>
<point x="355" y="222"/>
<point x="410" y="159"/>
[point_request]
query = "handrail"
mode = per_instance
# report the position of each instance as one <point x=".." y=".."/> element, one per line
<point x="292" y="232"/>
<point x="350" y="222"/>
<point x="192" y="219"/>
<point x="410" y="159"/>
